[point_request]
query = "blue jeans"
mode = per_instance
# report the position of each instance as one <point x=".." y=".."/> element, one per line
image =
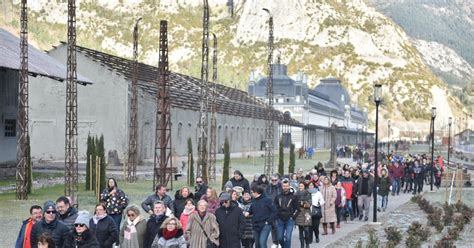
<point x="349" y="208"/>
<point x="396" y="186"/>
<point x="383" y="201"/>
<point x="262" y="236"/>
<point x="285" y="226"/>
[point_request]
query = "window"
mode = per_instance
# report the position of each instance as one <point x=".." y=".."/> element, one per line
<point x="10" y="127"/>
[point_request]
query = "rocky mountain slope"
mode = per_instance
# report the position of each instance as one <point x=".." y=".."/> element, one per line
<point x="341" y="38"/>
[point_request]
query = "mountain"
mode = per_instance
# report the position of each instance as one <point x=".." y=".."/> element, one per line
<point x="443" y="31"/>
<point x="342" y="38"/>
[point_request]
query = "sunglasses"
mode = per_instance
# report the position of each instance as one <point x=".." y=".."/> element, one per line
<point x="81" y="225"/>
<point x="50" y="212"/>
<point x="198" y="181"/>
<point x="274" y="180"/>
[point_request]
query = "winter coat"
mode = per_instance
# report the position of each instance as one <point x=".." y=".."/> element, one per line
<point x="184" y="219"/>
<point x="370" y="185"/>
<point x="177" y="241"/>
<point x="231" y="226"/>
<point x="56" y="229"/>
<point x="343" y="195"/>
<point x="137" y="239"/>
<point x="195" y="234"/>
<point x="115" y="203"/>
<point x="317" y="199"/>
<point x="248" y="230"/>
<point x="200" y="191"/>
<point x="384" y="186"/>
<point x="69" y="217"/>
<point x="105" y="231"/>
<point x="348" y="185"/>
<point x="243" y="182"/>
<point x="286" y="205"/>
<point x="147" y="205"/>
<point x="212" y="205"/>
<point x="262" y="211"/>
<point x="303" y="218"/>
<point x="328" y="209"/>
<point x="273" y="190"/>
<point x="179" y="202"/>
<point x="24" y="236"/>
<point x="395" y="172"/>
<point x="153" y="226"/>
<point x="85" y="240"/>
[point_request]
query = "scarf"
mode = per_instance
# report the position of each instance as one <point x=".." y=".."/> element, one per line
<point x="188" y="211"/>
<point x="96" y="218"/>
<point x="202" y="215"/>
<point x="169" y="234"/>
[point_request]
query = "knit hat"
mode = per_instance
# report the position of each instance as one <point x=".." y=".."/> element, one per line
<point x="83" y="217"/>
<point x="49" y="205"/>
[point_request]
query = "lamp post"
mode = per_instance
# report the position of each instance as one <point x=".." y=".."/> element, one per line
<point x="433" y="116"/>
<point x="388" y="138"/>
<point x="377" y="94"/>
<point x="450" y="121"/>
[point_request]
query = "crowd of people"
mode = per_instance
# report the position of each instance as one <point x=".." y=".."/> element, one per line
<point x="244" y="214"/>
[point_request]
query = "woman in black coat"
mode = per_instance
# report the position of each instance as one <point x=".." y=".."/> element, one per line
<point x="104" y="227"/>
<point x="180" y="200"/>
<point x="81" y="236"/>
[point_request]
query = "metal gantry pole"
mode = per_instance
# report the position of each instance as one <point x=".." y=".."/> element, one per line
<point x="449" y="137"/>
<point x="22" y="145"/>
<point x="269" y="122"/>
<point x="203" y="120"/>
<point x="432" y="153"/>
<point x="71" y="166"/>
<point x="376" y="159"/>
<point x="133" y="126"/>
<point x="213" y="148"/>
<point x="163" y="156"/>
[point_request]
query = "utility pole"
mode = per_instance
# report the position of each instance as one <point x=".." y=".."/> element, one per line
<point x="269" y="124"/>
<point x="213" y="148"/>
<point x="22" y="145"/>
<point x="71" y="170"/>
<point x="163" y="158"/>
<point x="133" y="130"/>
<point x="203" y="120"/>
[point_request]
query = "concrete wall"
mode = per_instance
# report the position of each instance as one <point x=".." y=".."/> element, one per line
<point x="8" y="110"/>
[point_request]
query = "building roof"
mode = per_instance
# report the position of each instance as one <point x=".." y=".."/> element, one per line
<point x="39" y="63"/>
<point x="185" y="90"/>
<point x="332" y="88"/>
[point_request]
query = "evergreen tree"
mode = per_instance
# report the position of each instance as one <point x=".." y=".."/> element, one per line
<point x="281" y="158"/>
<point x="89" y="161"/>
<point x="291" y="167"/>
<point x="101" y="155"/>
<point x="93" y="162"/>
<point x="190" y="163"/>
<point x="225" y="170"/>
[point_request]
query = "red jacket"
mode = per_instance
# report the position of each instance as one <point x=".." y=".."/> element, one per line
<point x="395" y="172"/>
<point x="348" y="185"/>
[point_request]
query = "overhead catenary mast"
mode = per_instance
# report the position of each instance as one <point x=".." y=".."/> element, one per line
<point x="213" y="148"/>
<point x="269" y="124"/>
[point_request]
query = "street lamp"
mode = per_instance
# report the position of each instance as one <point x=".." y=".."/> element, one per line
<point x="450" y="121"/>
<point x="377" y="96"/>
<point x="388" y="138"/>
<point x="433" y="116"/>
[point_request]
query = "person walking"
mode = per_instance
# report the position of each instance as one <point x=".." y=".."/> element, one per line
<point x="317" y="201"/>
<point x="231" y="223"/>
<point x="364" y="192"/>
<point x="159" y="195"/>
<point x="383" y="190"/>
<point x="51" y="225"/>
<point x="116" y="201"/>
<point x="81" y="236"/>
<point x="154" y="223"/>
<point x="189" y="208"/>
<point x="202" y="228"/>
<point x="180" y="199"/>
<point x="263" y="214"/>
<point x="103" y="227"/>
<point x="272" y="190"/>
<point x="132" y="233"/>
<point x="418" y="176"/>
<point x="66" y="212"/>
<point x="23" y="239"/>
<point x="340" y="203"/>
<point x="395" y="172"/>
<point x="170" y="235"/>
<point x="238" y="181"/>
<point x="329" y="209"/>
<point x="303" y="218"/>
<point x="245" y="203"/>
<point x="347" y="182"/>
<point x="286" y="204"/>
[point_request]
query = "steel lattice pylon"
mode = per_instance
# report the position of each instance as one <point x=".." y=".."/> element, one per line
<point x="22" y="148"/>
<point x="133" y="130"/>
<point x="203" y="120"/>
<point x="163" y="160"/>
<point x="269" y="124"/>
<point x="71" y="170"/>
<point x="213" y="145"/>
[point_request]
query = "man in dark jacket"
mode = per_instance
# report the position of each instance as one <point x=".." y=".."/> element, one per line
<point x="160" y="195"/>
<point x="67" y="213"/>
<point x="201" y="189"/>
<point x="364" y="192"/>
<point x="272" y="190"/>
<point x="240" y="181"/>
<point x="286" y="204"/>
<point x="51" y="225"/>
<point x="418" y="176"/>
<point x="231" y="223"/>
<point x="395" y="172"/>
<point x="263" y="215"/>
<point x="153" y="224"/>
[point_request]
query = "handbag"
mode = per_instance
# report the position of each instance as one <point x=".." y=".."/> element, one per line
<point x="316" y="212"/>
<point x="209" y="243"/>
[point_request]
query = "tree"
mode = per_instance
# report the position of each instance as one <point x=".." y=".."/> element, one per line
<point x="190" y="163"/>
<point x="225" y="169"/>
<point x="291" y="167"/>
<point x="281" y="158"/>
<point x="89" y="162"/>
<point x="101" y="155"/>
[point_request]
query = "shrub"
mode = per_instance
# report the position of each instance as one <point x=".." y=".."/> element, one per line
<point x="448" y="214"/>
<point x="374" y="241"/>
<point x="417" y="234"/>
<point x="435" y="219"/>
<point x="394" y="236"/>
